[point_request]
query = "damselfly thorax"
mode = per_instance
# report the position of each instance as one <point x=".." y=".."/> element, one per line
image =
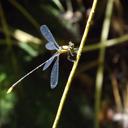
<point x="66" y="48"/>
<point x="70" y="50"/>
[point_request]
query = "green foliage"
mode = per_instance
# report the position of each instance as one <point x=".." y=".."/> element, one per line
<point x="7" y="103"/>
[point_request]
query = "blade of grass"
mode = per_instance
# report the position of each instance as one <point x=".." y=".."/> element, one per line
<point x="5" y="28"/>
<point x="116" y="93"/>
<point x="105" y="44"/>
<point x="59" y="5"/>
<point x="100" y="70"/>
<point x="28" y="49"/>
<point x="8" y="38"/>
<point x="69" y="5"/>
<point x="72" y="73"/>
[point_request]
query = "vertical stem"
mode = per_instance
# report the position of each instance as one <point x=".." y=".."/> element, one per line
<point x="8" y="38"/>
<point x="100" y="70"/>
<point x="5" y="28"/>
<point x="116" y="93"/>
<point x="72" y="73"/>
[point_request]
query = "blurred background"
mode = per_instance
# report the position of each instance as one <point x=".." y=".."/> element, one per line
<point x="33" y="104"/>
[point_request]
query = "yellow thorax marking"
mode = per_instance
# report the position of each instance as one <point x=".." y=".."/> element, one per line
<point x="63" y="49"/>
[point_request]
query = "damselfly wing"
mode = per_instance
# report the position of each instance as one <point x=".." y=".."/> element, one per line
<point x="51" y="45"/>
<point x="55" y="73"/>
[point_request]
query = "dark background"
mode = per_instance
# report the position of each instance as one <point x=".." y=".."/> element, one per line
<point x="33" y="104"/>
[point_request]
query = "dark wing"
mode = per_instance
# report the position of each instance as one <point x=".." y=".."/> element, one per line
<point x="52" y="44"/>
<point x="55" y="74"/>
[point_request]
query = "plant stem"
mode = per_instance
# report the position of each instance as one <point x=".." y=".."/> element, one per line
<point x="8" y="38"/>
<point x="66" y="90"/>
<point x="100" y="70"/>
<point x="105" y="44"/>
<point x="5" y="28"/>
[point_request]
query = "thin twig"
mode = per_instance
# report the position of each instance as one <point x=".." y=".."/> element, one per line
<point x="62" y="101"/>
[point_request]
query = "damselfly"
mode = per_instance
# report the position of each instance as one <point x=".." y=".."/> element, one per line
<point x="51" y="45"/>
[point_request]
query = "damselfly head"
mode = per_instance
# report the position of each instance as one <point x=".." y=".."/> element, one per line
<point x="68" y="47"/>
<point x="71" y="45"/>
